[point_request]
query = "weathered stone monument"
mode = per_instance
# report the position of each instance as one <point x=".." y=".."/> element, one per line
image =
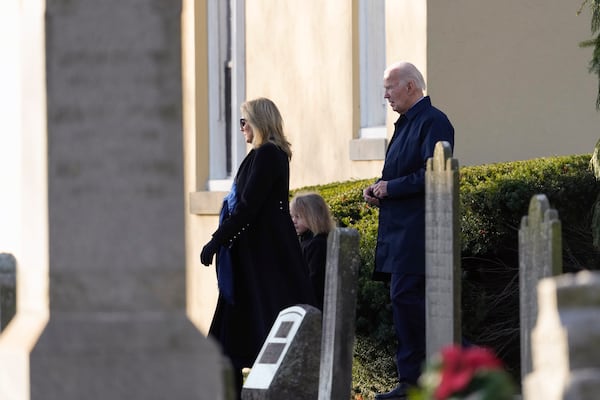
<point x="566" y="339"/>
<point x="287" y="366"/>
<point x="339" y="313"/>
<point x="442" y="250"/>
<point x="101" y="309"/>
<point x="8" y="288"/>
<point x="540" y="256"/>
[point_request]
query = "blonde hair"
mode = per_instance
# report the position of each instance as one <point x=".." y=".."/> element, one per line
<point x="266" y="122"/>
<point x="314" y="210"/>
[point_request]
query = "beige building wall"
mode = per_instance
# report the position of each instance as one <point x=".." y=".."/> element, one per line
<point x="304" y="56"/>
<point x="406" y="35"/>
<point x="201" y="220"/>
<point x="10" y="140"/>
<point x="512" y="78"/>
<point x="23" y="186"/>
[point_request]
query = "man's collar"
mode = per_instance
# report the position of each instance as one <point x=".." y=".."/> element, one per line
<point x="423" y="102"/>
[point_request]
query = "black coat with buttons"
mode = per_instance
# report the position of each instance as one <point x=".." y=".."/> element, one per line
<point x="269" y="273"/>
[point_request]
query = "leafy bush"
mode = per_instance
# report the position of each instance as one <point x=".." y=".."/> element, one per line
<point x="493" y="200"/>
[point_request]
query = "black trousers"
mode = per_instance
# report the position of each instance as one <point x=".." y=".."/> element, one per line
<point x="407" y="294"/>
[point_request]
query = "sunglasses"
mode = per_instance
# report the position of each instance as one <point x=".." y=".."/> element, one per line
<point x="242" y="123"/>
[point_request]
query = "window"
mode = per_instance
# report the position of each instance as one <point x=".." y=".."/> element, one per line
<point x="372" y="65"/>
<point x="371" y="140"/>
<point x="226" y="77"/>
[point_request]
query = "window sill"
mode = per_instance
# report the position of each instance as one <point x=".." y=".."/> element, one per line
<point x="368" y="149"/>
<point x="206" y="203"/>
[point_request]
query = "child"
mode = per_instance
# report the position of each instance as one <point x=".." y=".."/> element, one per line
<point x="313" y="222"/>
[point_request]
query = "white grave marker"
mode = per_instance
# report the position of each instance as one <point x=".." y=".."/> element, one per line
<point x="276" y="345"/>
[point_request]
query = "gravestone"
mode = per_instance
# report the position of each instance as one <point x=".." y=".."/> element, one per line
<point x="566" y="339"/>
<point x="102" y="311"/>
<point x="8" y="289"/>
<point x="339" y="312"/>
<point x="442" y="250"/>
<point x="287" y="366"/>
<point x="540" y="256"/>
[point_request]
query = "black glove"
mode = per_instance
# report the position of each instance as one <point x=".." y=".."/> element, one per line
<point x="209" y="250"/>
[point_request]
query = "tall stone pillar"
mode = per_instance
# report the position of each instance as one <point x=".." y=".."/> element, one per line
<point x="540" y="256"/>
<point x="442" y="250"/>
<point x="103" y="314"/>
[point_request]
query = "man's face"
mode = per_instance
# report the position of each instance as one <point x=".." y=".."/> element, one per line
<point x="396" y="93"/>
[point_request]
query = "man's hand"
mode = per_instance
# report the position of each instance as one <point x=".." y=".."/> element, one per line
<point x="380" y="189"/>
<point x="370" y="196"/>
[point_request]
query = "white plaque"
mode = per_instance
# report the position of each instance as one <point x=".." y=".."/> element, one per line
<point x="275" y="347"/>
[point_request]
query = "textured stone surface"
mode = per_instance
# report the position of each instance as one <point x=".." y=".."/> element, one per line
<point x="442" y="250"/>
<point x="339" y="313"/>
<point x="540" y="256"/>
<point x="566" y="339"/>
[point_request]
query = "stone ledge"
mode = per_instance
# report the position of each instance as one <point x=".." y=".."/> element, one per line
<point x="367" y="149"/>
<point x="206" y="203"/>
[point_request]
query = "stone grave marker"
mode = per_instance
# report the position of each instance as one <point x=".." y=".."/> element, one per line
<point x="287" y="366"/>
<point x="540" y="256"/>
<point x="102" y="314"/>
<point x="566" y="339"/>
<point x="339" y="312"/>
<point x="8" y="289"/>
<point x="442" y="255"/>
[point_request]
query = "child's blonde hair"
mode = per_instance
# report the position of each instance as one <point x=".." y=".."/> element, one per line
<point x="314" y="210"/>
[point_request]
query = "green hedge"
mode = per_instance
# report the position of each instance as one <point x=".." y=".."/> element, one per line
<point x="493" y="200"/>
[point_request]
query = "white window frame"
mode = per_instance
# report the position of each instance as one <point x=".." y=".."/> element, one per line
<point x="219" y="179"/>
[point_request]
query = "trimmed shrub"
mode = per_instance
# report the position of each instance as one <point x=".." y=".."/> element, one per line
<point x="493" y="200"/>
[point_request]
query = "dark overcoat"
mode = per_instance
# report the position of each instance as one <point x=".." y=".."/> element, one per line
<point x="269" y="273"/>
<point x="401" y="232"/>
<point x="314" y="250"/>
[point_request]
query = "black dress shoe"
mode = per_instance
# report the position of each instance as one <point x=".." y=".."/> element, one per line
<point x="398" y="393"/>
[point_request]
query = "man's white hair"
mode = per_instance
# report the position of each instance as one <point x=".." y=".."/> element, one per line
<point x="406" y="72"/>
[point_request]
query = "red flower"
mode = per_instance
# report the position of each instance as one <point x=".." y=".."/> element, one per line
<point x="459" y="365"/>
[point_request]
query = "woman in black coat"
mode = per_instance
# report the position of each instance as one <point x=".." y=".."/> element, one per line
<point x="263" y="271"/>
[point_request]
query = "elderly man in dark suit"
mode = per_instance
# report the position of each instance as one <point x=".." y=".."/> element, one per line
<point x="400" y="196"/>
